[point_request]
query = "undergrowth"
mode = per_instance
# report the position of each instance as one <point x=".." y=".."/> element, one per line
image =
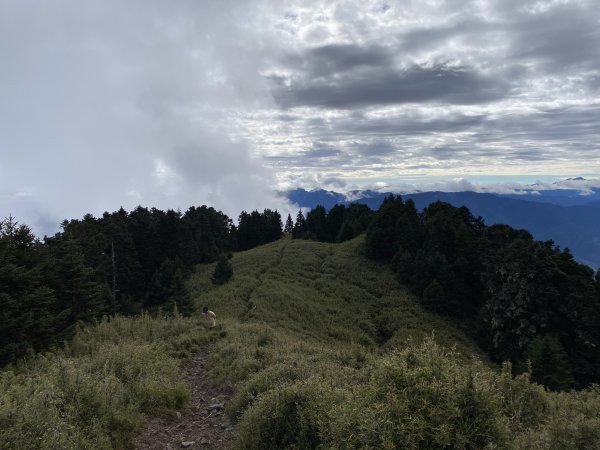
<point x="91" y="394"/>
<point x="326" y="350"/>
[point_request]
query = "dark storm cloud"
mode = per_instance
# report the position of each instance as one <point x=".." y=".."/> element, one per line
<point x="388" y="86"/>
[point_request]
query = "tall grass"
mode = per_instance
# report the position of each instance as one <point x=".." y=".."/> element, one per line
<point x="91" y="394"/>
<point x="326" y="350"/>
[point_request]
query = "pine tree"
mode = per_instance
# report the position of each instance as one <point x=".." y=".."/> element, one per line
<point x="180" y="297"/>
<point x="289" y="225"/>
<point x="299" y="230"/>
<point x="159" y="288"/>
<point x="29" y="316"/>
<point x="316" y="223"/>
<point x="79" y="291"/>
<point x="223" y="271"/>
<point x="549" y="363"/>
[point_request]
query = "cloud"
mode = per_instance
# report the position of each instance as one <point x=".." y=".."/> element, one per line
<point x="329" y="60"/>
<point x="224" y="102"/>
<point x="388" y="86"/>
<point x="559" y="37"/>
<point x="582" y="185"/>
<point x="116" y="104"/>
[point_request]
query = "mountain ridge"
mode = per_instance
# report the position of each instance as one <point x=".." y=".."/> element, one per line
<point x="574" y="226"/>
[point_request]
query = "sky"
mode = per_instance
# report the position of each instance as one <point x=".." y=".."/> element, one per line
<point x="226" y="102"/>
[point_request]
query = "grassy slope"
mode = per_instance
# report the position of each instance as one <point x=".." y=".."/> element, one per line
<point x="327" y="294"/>
<point x="92" y="393"/>
<point x="325" y="349"/>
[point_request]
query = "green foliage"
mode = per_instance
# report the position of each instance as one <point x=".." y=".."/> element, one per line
<point x="333" y="353"/>
<point x="223" y="271"/>
<point x="325" y="349"/>
<point x="30" y="310"/>
<point x="300" y="228"/>
<point x="289" y="225"/>
<point x="287" y="416"/>
<point x="356" y="220"/>
<point x="340" y="224"/>
<point x="180" y="296"/>
<point x="548" y="363"/>
<point x="394" y="226"/>
<point x="316" y="224"/>
<point x="434" y="295"/>
<point x="90" y="395"/>
<point x="423" y="397"/>
<point x="510" y="287"/>
<point x="258" y="228"/>
<point x="113" y="264"/>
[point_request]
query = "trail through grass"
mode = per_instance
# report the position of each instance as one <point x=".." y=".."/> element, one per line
<point x="326" y="350"/>
<point x="323" y="349"/>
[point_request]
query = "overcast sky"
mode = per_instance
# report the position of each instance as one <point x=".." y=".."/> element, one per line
<point x="176" y="103"/>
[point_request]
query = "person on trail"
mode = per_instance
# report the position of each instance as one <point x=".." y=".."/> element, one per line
<point x="209" y="316"/>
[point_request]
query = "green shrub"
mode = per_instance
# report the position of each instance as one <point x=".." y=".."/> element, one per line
<point x="287" y="416"/>
<point x="91" y="394"/>
<point x="422" y="397"/>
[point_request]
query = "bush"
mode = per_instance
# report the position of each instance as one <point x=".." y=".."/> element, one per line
<point x="422" y="397"/>
<point x="91" y="394"/>
<point x="287" y="416"/>
<point x="223" y="271"/>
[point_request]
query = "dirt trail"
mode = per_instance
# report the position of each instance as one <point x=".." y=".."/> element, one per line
<point x="201" y="425"/>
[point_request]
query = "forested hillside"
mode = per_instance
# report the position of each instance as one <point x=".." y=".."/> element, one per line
<point x="521" y="299"/>
<point x="323" y="347"/>
<point x="120" y="263"/>
<point x="326" y="349"/>
<point x="571" y="224"/>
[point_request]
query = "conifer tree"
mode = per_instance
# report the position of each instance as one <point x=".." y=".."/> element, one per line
<point x="180" y="298"/>
<point x="316" y="223"/>
<point x="223" y="271"/>
<point x="81" y="294"/>
<point x="334" y="221"/>
<point x="434" y="297"/>
<point x="29" y="315"/>
<point x="289" y="225"/>
<point x="159" y="288"/>
<point x="299" y="230"/>
<point x="549" y="363"/>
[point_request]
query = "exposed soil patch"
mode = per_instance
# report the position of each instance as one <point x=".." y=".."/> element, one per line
<point x="201" y="425"/>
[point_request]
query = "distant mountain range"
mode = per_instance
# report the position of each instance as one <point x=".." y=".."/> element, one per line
<point x="568" y="218"/>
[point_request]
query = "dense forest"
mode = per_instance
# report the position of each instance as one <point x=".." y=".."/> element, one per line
<point x="525" y="301"/>
<point x="118" y="263"/>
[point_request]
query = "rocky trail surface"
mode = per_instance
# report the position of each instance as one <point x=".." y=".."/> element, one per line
<point x="203" y="424"/>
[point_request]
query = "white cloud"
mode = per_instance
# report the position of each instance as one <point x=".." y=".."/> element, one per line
<point x="172" y="104"/>
<point x="113" y="103"/>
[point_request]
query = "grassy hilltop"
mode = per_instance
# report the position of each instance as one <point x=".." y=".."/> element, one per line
<point x="323" y="348"/>
<point x="326" y="349"/>
<point x="322" y="294"/>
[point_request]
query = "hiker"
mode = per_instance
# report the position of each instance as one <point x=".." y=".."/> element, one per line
<point x="209" y="316"/>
